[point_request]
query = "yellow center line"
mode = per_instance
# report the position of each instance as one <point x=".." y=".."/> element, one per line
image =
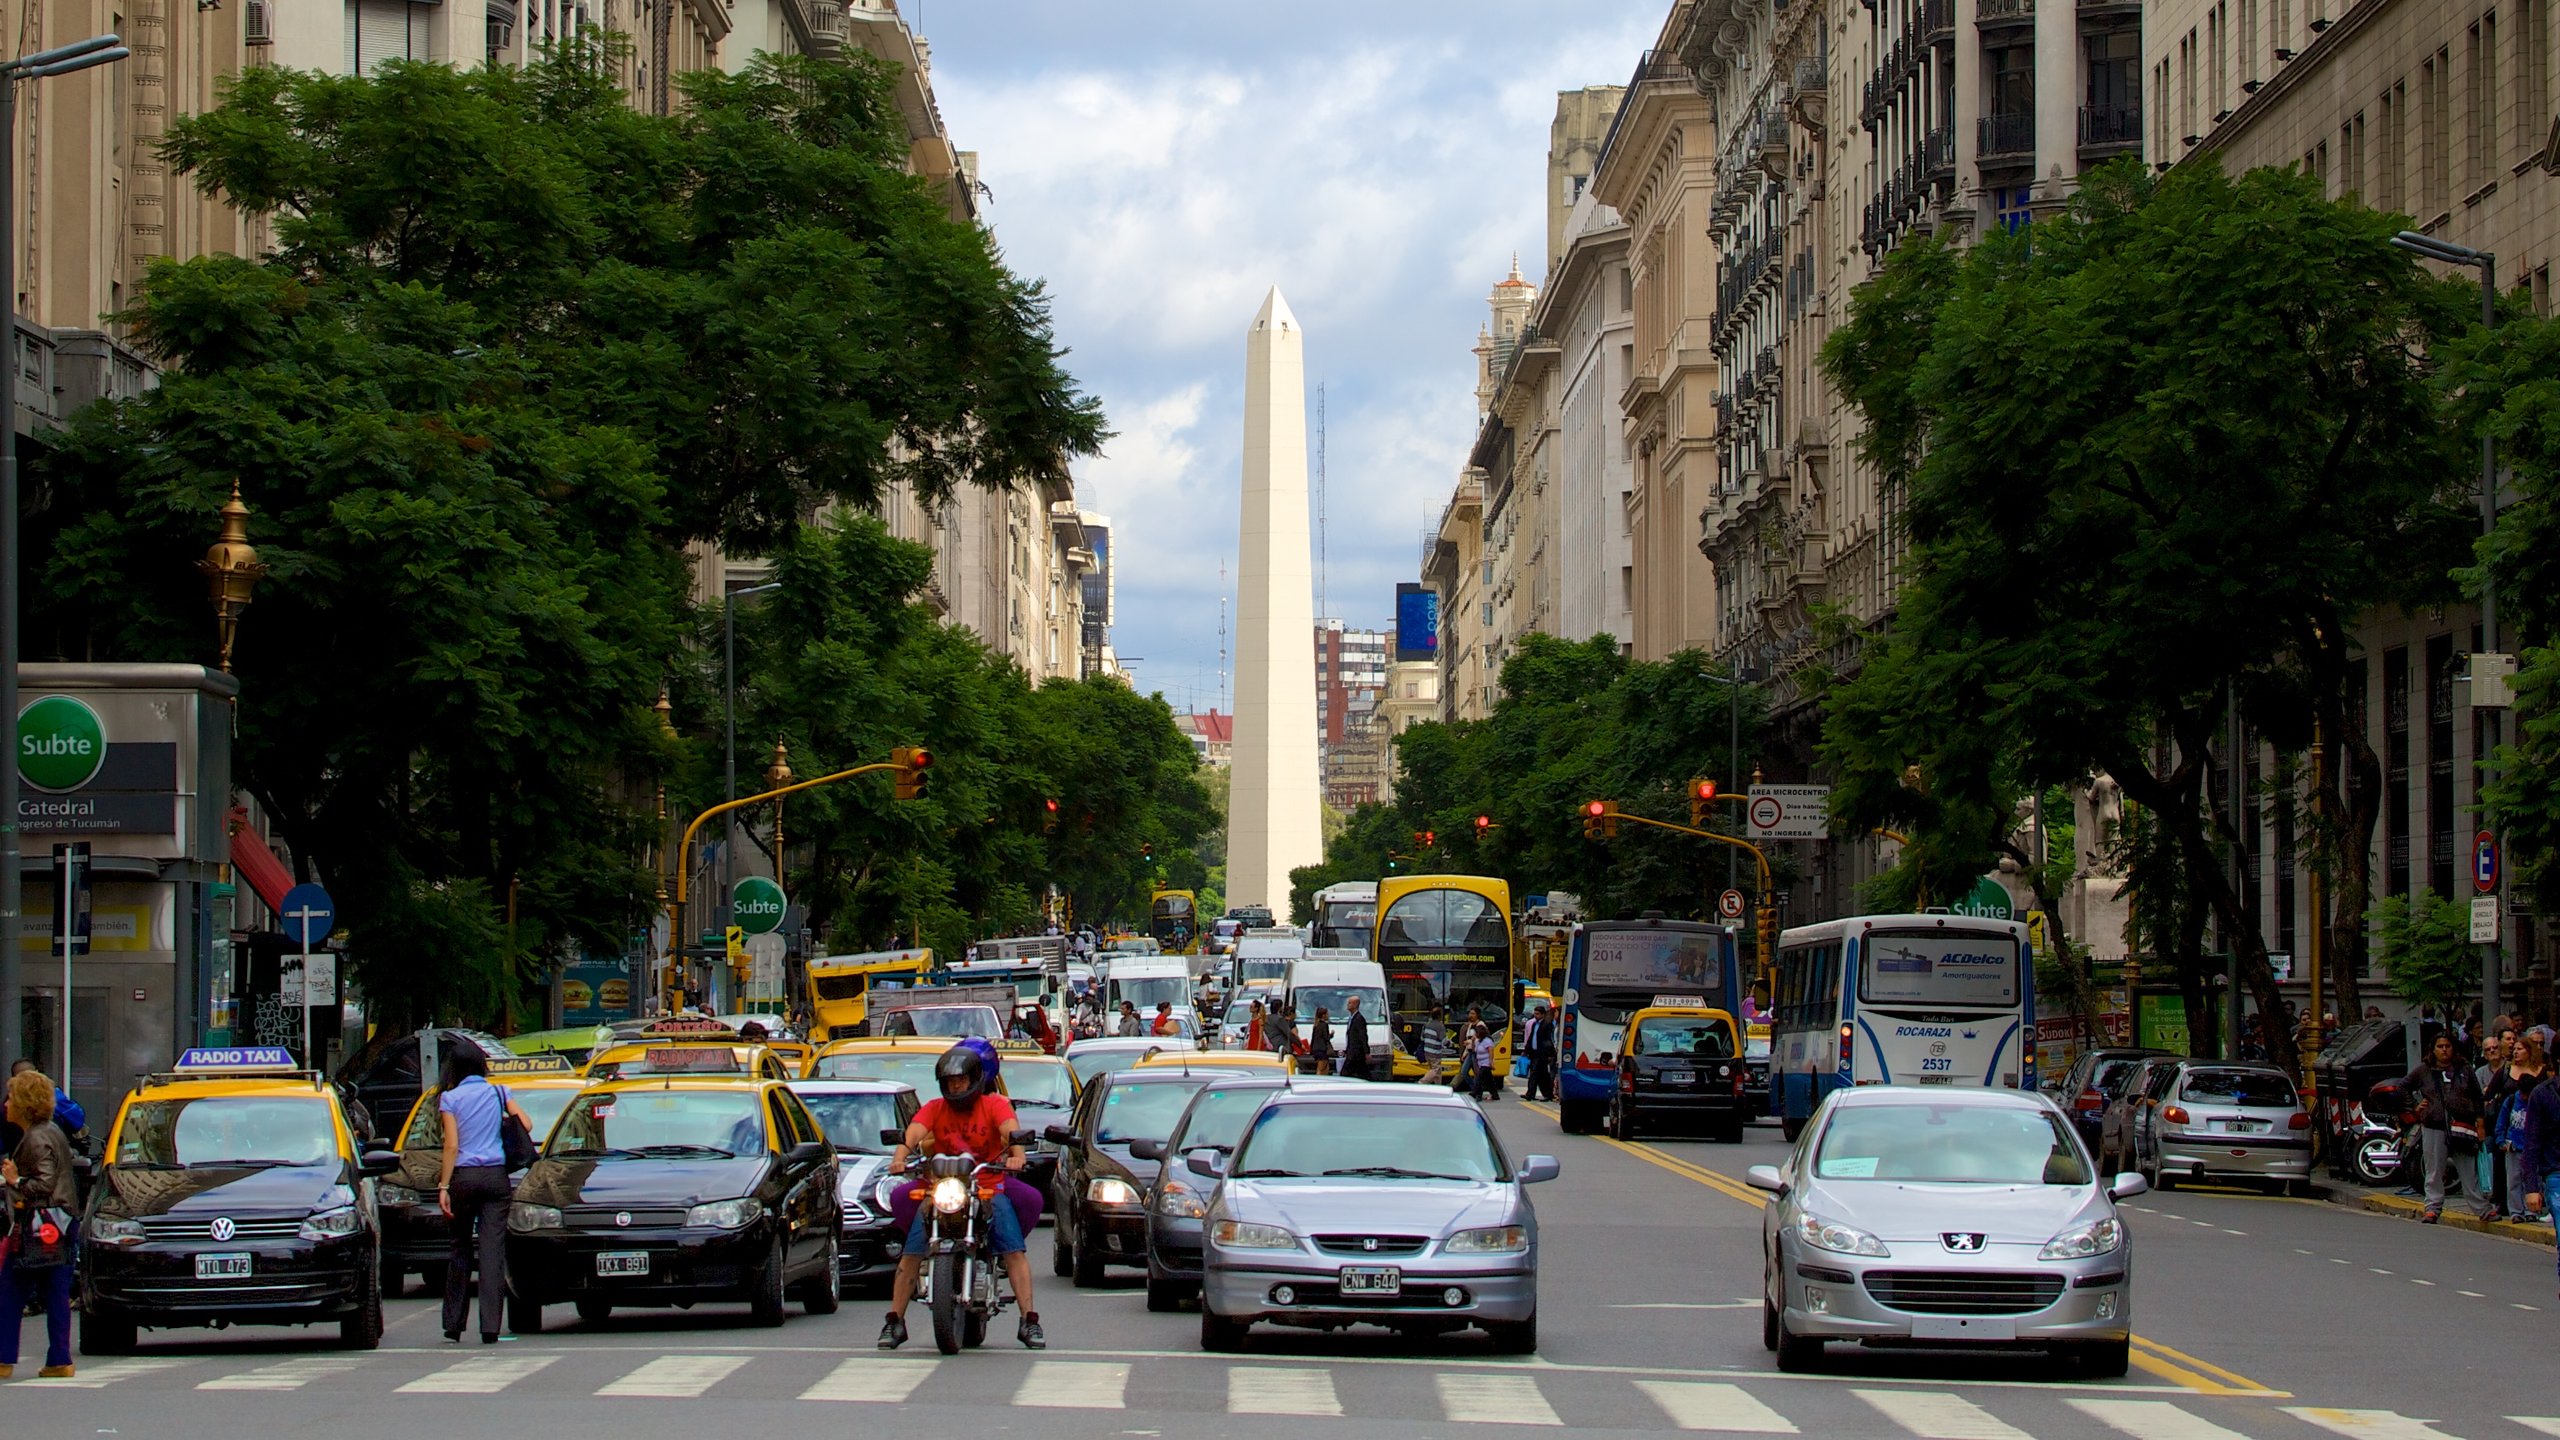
<point x="2201" y="1376"/>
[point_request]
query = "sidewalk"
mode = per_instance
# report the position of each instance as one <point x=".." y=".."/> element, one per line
<point x="2456" y="1216"/>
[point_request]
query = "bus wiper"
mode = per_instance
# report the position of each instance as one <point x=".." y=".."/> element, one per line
<point x="1397" y="1172"/>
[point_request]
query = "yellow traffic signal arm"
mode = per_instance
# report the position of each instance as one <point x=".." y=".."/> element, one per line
<point x="1767" y="926"/>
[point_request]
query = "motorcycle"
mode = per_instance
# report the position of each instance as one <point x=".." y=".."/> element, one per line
<point x="962" y="1284"/>
<point x="2372" y="1144"/>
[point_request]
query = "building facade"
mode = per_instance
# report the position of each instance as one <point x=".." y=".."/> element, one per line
<point x="1589" y="309"/>
<point x="1412" y="695"/>
<point x="1351" y="678"/>
<point x="1453" y="565"/>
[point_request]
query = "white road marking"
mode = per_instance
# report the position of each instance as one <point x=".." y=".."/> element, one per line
<point x="291" y="1375"/>
<point x="2367" y="1424"/>
<point x="2378" y="1270"/>
<point x="2542" y="1424"/>
<point x="1936" y="1415"/>
<point x="2155" y="1420"/>
<point x="2235" y="1232"/>
<point x="1696" y="1405"/>
<point x="2415" y="1281"/>
<point x="480" y="1375"/>
<point x="1074" y="1385"/>
<point x="676" y="1377"/>
<point x="2474" y="1294"/>
<point x="2298" y="1250"/>
<point x="2523" y="1306"/>
<point x="99" y="1374"/>
<point x="1268" y="1390"/>
<point x="1494" y="1400"/>
<point x="882" y="1381"/>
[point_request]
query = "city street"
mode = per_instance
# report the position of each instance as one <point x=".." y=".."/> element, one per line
<point x="2257" y="1317"/>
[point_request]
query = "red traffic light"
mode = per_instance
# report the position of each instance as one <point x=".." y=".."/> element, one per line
<point x="1052" y="804"/>
<point x="1706" y="789"/>
<point x="1484" y="822"/>
<point x="1596" y="808"/>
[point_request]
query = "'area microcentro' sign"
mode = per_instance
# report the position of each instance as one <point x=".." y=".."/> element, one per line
<point x="61" y="744"/>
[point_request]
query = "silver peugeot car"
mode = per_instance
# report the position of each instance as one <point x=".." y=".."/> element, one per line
<point x="1929" y="1216"/>
<point x="1380" y="1205"/>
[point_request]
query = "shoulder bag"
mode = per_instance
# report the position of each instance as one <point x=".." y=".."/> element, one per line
<point x="513" y="1136"/>
<point x="44" y="1239"/>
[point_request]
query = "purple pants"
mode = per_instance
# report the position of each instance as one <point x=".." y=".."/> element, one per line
<point x="1026" y="1203"/>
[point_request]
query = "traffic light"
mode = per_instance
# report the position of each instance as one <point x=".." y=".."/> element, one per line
<point x="1483" y="823"/>
<point x="1049" y="818"/>
<point x="1702" y="801"/>
<point x="1600" y="820"/>
<point x="912" y="762"/>
<point x="1147" y="851"/>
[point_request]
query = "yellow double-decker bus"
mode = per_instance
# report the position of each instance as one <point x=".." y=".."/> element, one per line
<point x="840" y="987"/>
<point x="1173" y="918"/>
<point x="1444" y="942"/>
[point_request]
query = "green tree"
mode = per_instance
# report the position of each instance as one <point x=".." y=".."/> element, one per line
<point x="2425" y="944"/>
<point x="2176" y="440"/>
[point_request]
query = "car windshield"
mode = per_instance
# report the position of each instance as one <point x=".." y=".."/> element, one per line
<point x="2255" y="1088"/>
<point x="1336" y="1000"/>
<point x="854" y="1120"/>
<point x="2107" y="1072"/>
<point x="541" y="1107"/>
<point x="1090" y="1061"/>
<point x="1687" y="1037"/>
<point x="1037" y="1083"/>
<point x="1219" y="1114"/>
<point x="228" y="1130"/>
<point x="1148" y="993"/>
<point x="1387" y="1142"/>
<point x="950" y="1020"/>
<point x="1146" y="1112"/>
<point x="1949" y="1144"/>
<point x="909" y="1067"/>
<point x="660" y="1124"/>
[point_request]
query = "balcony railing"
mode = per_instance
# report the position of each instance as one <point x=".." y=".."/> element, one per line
<point x="2006" y="135"/>
<point x="1938" y="20"/>
<point x="1938" y="151"/>
<point x="2004" y="12"/>
<point x="2105" y="126"/>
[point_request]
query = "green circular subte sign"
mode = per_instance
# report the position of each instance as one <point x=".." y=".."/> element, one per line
<point x="61" y="743"/>
<point x="756" y="906"/>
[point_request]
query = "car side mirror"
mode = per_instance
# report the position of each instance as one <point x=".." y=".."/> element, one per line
<point x="1147" y="1149"/>
<point x="1766" y="1177"/>
<point x="377" y="1163"/>
<point x="1207" y="1164"/>
<point x="1062" y="1136"/>
<point x="893" y="1137"/>
<point x="2127" y="1185"/>
<point x="807" y="1152"/>
<point x="1539" y="1169"/>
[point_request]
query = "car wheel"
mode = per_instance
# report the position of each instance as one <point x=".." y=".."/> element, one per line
<point x="2298" y="1189"/>
<point x="1089" y="1267"/>
<point x="1514" y="1337"/>
<point x="524" y="1316"/>
<point x="765" y="1305"/>
<point x="593" y="1309"/>
<point x="395" y="1279"/>
<point x="1062" y="1256"/>
<point x="361" y="1328"/>
<point x="1220" y="1335"/>
<point x="1797" y="1354"/>
<point x="1768" y="1321"/>
<point x="1731" y="1131"/>
<point x="1790" y="1127"/>
<point x="824" y="1294"/>
<point x="2103" y="1360"/>
<point x="1621" y="1128"/>
<point x="106" y="1332"/>
<point x="1163" y="1296"/>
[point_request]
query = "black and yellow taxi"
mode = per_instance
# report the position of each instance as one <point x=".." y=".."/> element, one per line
<point x="677" y="1190"/>
<point x="416" y="1235"/>
<point x="908" y="1059"/>
<point x="233" y="1194"/>
<point x="688" y="1047"/>
<point x="1680" y="1069"/>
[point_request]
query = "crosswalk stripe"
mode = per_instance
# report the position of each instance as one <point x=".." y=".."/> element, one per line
<point x="1699" y="1405"/>
<point x="1264" y="1390"/>
<point x="1936" y="1415"/>
<point x="480" y="1375"/>
<point x="1074" y="1385"/>
<point x="884" y="1381"/>
<point x="2154" y="1420"/>
<point x="290" y="1375"/>
<point x="99" y="1374"/>
<point x="2367" y="1424"/>
<point x="2544" y="1424"/>
<point x="676" y="1377"/>
<point x="1494" y="1400"/>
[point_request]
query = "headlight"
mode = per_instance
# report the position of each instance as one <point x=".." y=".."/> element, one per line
<point x="1240" y="1235"/>
<point x="330" y="1224"/>
<point x="115" y="1232"/>
<point x="1491" y="1240"/>
<point x="1107" y="1191"/>
<point x="386" y="1193"/>
<point x="1841" y="1239"/>
<point x="525" y="1219"/>
<point x="2096" y="1238"/>
<point x="725" y="1214"/>
<point x="949" y="1194"/>
<point x="1180" y="1201"/>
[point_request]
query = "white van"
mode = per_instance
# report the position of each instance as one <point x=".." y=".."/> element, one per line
<point x="1147" y="981"/>
<point x="1266" y="955"/>
<point x="1330" y="978"/>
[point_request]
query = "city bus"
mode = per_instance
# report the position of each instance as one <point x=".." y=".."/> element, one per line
<point x="1346" y="914"/>
<point x="1445" y="944"/>
<point x="840" y="987"/>
<point x="1900" y="1000"/>
<point x="1174" y="921"/>
<point x="1614" y="968"/>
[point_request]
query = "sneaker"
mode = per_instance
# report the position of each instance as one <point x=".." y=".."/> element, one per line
<point x="1033" y="1337"/>
<point x="2433" y="1214"/>
<point x="55" y="1372"/>
<point x="7" y="1371"/>
<point x="893" y="1332"/>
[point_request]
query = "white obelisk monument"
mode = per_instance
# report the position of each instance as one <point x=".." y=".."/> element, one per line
<point x="1275" y="811"/>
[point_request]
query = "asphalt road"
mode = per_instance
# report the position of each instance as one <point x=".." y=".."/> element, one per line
<point x="2263" y="1318"/>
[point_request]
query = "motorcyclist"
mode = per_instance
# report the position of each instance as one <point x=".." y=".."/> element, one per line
<point x="966" y="1119"/>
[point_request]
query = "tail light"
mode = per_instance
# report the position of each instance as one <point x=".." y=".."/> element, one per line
<point x="1627" y="1081"/>
<point x="2090" y="1099"/>
<point x="2300" y="1121"/>
<point x="2175" y="1114"/>
<point x="1737" y="1082"/>
<point x="1844" y="1046"/>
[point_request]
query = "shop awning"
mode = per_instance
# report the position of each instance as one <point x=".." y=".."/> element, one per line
<point x="256" y="863"/>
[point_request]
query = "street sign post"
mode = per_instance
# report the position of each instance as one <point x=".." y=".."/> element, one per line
<point x="308" y="916"/>
<point x="1789" y="812"/>
<point x="70" y="927"/>
<point x="1729" y="905"/>
<point x="2484" y="919"/>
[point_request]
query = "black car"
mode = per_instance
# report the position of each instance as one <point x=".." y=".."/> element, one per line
<point x="2085" y="1090"/>
<point x="1755" y="1082"/>
<point x="231" y="1200"/>
<point x="1100" y="1196"/>
<point x="1042" y="1091"/>
<point x="857" y="1114"/>
<point x="386" y="1083"/>
<point x="416" y="1235"/>
<point x="1679" y="1070"/>
<point x="670" y="1191"/>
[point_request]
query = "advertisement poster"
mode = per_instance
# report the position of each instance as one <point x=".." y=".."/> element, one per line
<point x="1940" y="969"/>
<point x="1656" y="961"/>
<point x="597" y="990"/>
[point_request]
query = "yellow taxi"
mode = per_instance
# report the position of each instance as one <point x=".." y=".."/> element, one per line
<point x="415" y="1233"/>
<point x="1680" y="1067"/>
<point x="1221" y="1060"/>
<point x="908" y="1059"/>
<point x="232" y="1194"/>
<point x="795" y="1055"/>
<point x="688" y="1047"/>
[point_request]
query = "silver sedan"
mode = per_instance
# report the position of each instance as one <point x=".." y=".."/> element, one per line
<point x="1391" y="1206"/>
<point x="1969" y="1218"/>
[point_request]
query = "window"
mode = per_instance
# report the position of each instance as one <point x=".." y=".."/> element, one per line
<point x="2482" y="131"/>
<point x="2112" y="55"/>
<point x="2186" y="89"/>
<point x="2219" y="44"/>
<point x="2013" y="80"/>
<point x="2248" y="41"/>
<point x="2533" y="72"/>
<point x="2435" y="135"/>
<point x="2351" y="177"/>
<point x="2391" y="176"/>
<point x="2395" y="771"/>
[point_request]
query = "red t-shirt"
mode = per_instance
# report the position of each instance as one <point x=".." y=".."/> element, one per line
<point x="980" y="1132"/>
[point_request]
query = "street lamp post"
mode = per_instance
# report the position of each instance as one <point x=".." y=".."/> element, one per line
<point x="2486" y="263"/>
<point x="1741" y="675"/>
<point x="729" y="703"/>
<point x="61" y="60"/>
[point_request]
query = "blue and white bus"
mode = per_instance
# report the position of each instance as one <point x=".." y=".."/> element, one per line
<point x="1614" y="968"/>
<point x="1900" y="1000"/>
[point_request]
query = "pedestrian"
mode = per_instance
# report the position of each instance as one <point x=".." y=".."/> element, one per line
<point x="1320" y="1042"/>
<point x="1466" y="1038"/>
<point x="472" y="1188"/>
<point x="1164" y="1022"/>
<point x="1281" y="1028"/>
<point x="2449" y="1119"/>
<point x="1488" y="1079"/>
<point x="42" y="1199"/>
<point x="2528" y="1070"/>
<point x="1355" y="1040"/>
<point x="1128" y="1021"/>
<point x="2496" y="1087"/>
<point x="1253" y="1028"/>
<point x="2540" y="1156"/>
<point x="1540" y="1039"/>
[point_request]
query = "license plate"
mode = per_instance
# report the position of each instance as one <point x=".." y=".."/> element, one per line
<point x="1963" y="1327"/>
<point x="1372" y="1280"/>
<point x="2240" y="1127"/>
<point x="1679" y="1077"/>
<point x="623" y="1262"/>
<point x="222" y="1267"/>
<point x="1937" y="1080"/>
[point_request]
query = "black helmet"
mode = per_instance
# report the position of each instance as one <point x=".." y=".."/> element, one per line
<point x="961" y="1062"/>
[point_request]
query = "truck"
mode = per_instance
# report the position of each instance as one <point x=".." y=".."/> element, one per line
<point x="840" y="987"/>
<point x="982" y="1010"/>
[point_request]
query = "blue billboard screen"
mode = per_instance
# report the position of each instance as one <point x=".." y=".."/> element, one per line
<point x="1417" y="623"/>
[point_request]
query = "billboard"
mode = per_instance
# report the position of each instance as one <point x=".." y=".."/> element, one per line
<point x="1417" y="622"/>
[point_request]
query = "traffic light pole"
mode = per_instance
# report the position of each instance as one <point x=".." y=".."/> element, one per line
<point x="1767" y="926"/>
<point x="684" y="855"/>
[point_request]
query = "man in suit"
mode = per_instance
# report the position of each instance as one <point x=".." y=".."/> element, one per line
<point x="1355" y="1042"/>
<point x="1541" y="1041"/>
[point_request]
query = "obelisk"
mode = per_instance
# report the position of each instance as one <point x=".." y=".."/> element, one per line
<point x="1275" y="810"/>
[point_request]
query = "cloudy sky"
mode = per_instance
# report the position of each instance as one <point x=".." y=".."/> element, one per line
<point x="1161" y="163"/>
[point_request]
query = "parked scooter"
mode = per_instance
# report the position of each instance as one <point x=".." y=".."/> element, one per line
<point x="2377" y="1149"/>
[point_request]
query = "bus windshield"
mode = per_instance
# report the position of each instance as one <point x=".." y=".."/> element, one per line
<point x="1442" y="921"/>
<point x="1346" y="924"/>
<point x="1967" y="968"/>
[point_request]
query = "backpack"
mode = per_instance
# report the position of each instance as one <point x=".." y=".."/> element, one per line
<point x="2507" y="1128"/>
